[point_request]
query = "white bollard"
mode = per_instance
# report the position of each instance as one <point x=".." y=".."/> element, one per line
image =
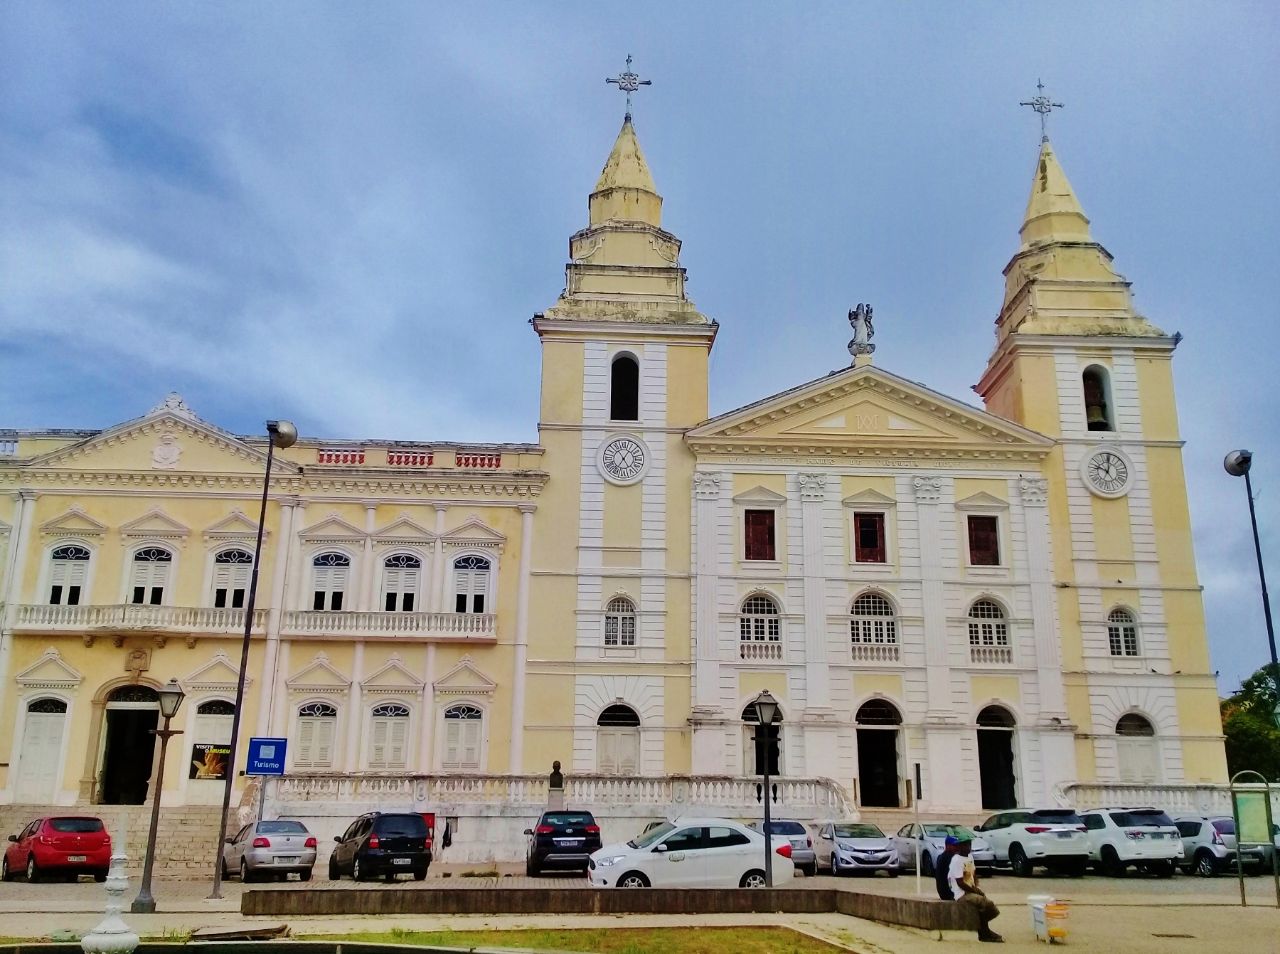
<point x="112" y="935"/>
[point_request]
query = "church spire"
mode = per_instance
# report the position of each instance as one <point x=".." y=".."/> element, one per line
<point x="1053" y="211"/>
<point x="625" y="191"/>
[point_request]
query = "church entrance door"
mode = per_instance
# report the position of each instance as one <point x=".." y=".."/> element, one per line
<point x="133" y="712"/>
<point x="995" y="758"/>
<point x="878" y="777"/>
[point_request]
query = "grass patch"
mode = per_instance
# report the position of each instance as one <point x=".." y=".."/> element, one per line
<point x="491" y="873"/>
<point x="682" y="940"/>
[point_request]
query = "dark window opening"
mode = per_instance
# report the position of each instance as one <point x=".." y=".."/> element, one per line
<point x="624" y="389"/>
<point x="984" y="541"/>
<point x="759" y="535"/>
<point x="868" y="531"/>
<point x="1097" y="403"/>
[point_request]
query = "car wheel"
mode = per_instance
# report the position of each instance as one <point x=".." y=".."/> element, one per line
<point x="1111" y="865"/>
<point x="33" y="870"/>
<point x="926" y="864"/>
<point x="389" y="877"/>
<point x="836" y="870"/>
<point x="420" y="874"/>
<point x="530" y="868"/>
<point x="357" y="870"/>
<point x="1165" y="869"/>
<point x="100" y="876"/>
<point x="633" y="879"/>
<point x="225" y="873"/>
<point x="1204" y="865"/>
<point x="1018" y="862"/>
<point x="811" y="871"/>
<point x="245" y="874"/>
<point x="334" y="873"/>
<point x="5" y="873"/>
<point x="893" y="872"/>
<point x="304" y="874"/>
<point x="752" y="879"/>
<point x="1078" y="868"/>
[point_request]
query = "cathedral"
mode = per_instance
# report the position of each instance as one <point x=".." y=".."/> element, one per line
<point x="1003" y="600"/>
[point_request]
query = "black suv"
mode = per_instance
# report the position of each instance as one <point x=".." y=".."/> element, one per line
<point x="378" y="844"/>
<point x="561" y="840"/>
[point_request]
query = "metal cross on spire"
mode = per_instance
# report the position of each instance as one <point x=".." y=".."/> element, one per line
<point x="1042" y="105"/>
<point x="629" y="82"/>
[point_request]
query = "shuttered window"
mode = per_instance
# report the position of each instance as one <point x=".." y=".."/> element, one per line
<point x="470" y="584"/>
<point x="1137" y="753"/>
<point x="317" y="731"/>
<point x="150" y="575"/>
<point x="213" y="722"/>
<point x="463" y="736"/>
<point x="401" y="574"/>
<point x="618" y="741"/>
<point x="984" y="540"/>
<point x="68" y="569"/>
<point x="759" y="535"/>
<point x="329" y="575"/>
<point x="388" y="736"/>
<point x="868" y="538"/>
<point x="231" y="570"/>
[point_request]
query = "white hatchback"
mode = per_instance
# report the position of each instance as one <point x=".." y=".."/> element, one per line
<point x="691" y="853"/>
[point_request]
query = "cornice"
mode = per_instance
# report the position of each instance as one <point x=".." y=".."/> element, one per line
<point x="895" y="455"/>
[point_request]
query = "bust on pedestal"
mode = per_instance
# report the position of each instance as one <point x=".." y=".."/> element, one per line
<point x="555" y="788"/>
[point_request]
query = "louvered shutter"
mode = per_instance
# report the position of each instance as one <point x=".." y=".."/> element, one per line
<point x="378" y="743"/>
<point x="452" y="743"/>
<point x="471" y="743"/>
<point x="149" y="580"/>
<point x="628" y="749"/>
<point x="306" y="742"/>
<point x="397" y="739"/>
<point x="607" y="752"/>
<point x="323" y="744"/>
<point x="66" y="581"/>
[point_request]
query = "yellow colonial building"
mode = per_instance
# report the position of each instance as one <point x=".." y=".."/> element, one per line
<point x="1006" y="597"/>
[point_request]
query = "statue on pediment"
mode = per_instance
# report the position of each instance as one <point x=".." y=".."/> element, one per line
<point x="863" y="331"/>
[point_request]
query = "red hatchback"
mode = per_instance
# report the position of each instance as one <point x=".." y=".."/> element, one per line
<point x="68" y="845"/>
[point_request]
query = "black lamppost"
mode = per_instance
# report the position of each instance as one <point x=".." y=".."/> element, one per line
<point x="766" y="709"/>
<point x="282" y="434"/>
<point x="1237" y="464"/>
<point x="171" y="696"/>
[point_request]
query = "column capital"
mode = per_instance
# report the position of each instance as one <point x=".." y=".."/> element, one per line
<point x="706" y="485"/>
<point x="928" y="489"/>
<point x="527" y="508"/>
<point x="440" y="507"/>
<point x="26" y="493"/>
<point x="289" y="500"/>
<point x="1033" y="491"/>
<point x="812" y="486"/>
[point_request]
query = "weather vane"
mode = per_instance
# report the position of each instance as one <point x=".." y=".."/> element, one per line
<point x="1042" y="105"/>
<point x="629" y="82"/>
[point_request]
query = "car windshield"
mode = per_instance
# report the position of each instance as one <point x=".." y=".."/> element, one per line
<point x="408" y="825"/>
<point x="1224" y="826"/>
<point x="568" y="819"/>
<point x="652" y="835"/>
<point x="1057" y="816"/>
<point x="785" y="828"/>
<point x="858" y="831"/>
<point x="942" y="831"/>
<point x="75" y="825"/>
<point x="281" y="827"/>
<point x="1143" y="818"/>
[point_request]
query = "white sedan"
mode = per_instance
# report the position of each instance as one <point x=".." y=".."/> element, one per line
<point x="691" y="853"/>
<point x="935" y="837"/>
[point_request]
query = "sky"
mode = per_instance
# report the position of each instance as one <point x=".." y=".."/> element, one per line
<point x="345" y="214"/>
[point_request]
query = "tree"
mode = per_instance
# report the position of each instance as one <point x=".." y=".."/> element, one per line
<point x="1248" y="722"/>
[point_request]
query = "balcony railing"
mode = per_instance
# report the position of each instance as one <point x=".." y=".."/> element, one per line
<point x="875" y="652"/>
<point x="991" y="655"/>
<point x="754" y="651"/>
<point x="169" y="619"/>
<point x="470" y="627"/>
<point x="1173" y="798"/>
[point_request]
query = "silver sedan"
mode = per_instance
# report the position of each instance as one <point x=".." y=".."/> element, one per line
<point x="934" y="845"/>
<point x="270" y="848"/>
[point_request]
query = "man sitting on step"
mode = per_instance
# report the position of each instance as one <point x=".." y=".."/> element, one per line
<point x="962" y="877"/>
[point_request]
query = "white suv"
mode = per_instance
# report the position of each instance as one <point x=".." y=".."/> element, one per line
<point x="1145" y="837"/>
<point x="1026" y="838"/>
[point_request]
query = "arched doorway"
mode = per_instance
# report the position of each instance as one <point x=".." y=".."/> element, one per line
<point x="1136" y="749"/>
<point x="762" y="744"/>
<point x="129" y="742"/>
<point x="996" y="771"/>
<point x="618" y="741"/>
<point x="878" y="778"/>
<point x="40" y="755"/>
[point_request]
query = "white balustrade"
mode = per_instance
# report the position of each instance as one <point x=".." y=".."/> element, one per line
<point x="178" y="619"/>
<point x="1175" y="799"/>
<point x="759" y="651"/>
<point x="875" y="652"/>
<point x="991" y="655"/>
<point x="461" y="626"/>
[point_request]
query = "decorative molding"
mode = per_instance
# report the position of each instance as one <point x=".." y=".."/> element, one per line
<point x="175" y="405"/>
<point x="403" y="532"/>
<point x="1033" y="491"/>
<point x="812" y="486"/>
<point x="218" y="674"/>
<point x="474" y="533"/>
<point x="982" y="501"/>
<point x="304" y="681"/>
<point x="872" y="499"/>
<point x="49" y="672"/>
<point x="392" y="679"/>
<point x="234" y="526"/>
<point x="761" y="495"/>
<point x="73" y="522"/>
<point x="479" y="684"/>
<point x="928" y="490"/>
<point x="167" y="452"/>
<point x="155" y="524"/>
<point x="706" y="485"/>
<point x="332" y="529"/>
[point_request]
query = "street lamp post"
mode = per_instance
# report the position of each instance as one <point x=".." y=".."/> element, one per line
<point x="282" y="434"/>
<point x="1238" y="464"/>
<point x="766" y="709"/>
<point x="171" y="696"/>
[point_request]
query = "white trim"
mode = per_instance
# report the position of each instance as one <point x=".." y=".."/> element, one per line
<point x="44" y="582"/>
<point x="20" y="723"/>
<point x="171" y="578"/>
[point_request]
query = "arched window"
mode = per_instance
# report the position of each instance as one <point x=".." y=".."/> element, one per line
<point x="759" y="629"/>
<point x="210" y="736"/>
<point x="878" y="712"/>
<point x="872" y="622"/>
<point x="231" y="569"/>
<point x="388" y="736"/>
<point x="1096" y="383"/>
<point x="996" y="717"/>
<point x="620" y="622"/>
<point x="624" y="389"/>
<point x="1137" y="752"/>
<point x="1122" y="632"/>
<point x="997" y="766"/>
<point x="463" y="738"/>
<point x="988" y="633"/>
<point x="470" y="584"/>
<point x="618" y="741"/>
<point x="68" y="570"/>
<point x="329" y="575"/>
<point x="317" y="732"/>
<point x="150" y="575"/>
<point x="401" y="574"/>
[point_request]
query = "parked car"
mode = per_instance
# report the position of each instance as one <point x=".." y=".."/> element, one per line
<point x="270" y="848"/>
<point x="68" y="845"/>
<point x="802" y="853"/>
<point x="692" y="853"/>
<point x="381" y="844"/>
<point x="562" y="840"/>
<point x="1209" y="846"/>
<point x="851" y="847"/>
<point x="934" y="844"/>
<point x="1027" y="838"/>
<point x="1143" y="837"/>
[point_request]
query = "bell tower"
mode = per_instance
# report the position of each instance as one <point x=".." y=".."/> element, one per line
<point x="1076" y="361"/>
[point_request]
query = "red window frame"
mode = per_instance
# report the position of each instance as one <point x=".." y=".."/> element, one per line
<point x="868" y="538"/>
<point x="760" y="539"/>
<point x="984" y="540"/>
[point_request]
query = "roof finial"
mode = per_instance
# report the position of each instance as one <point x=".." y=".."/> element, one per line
<point x="629" y="82"/>
<point x="861" y="347"/>
<point x="1042" y="105"/>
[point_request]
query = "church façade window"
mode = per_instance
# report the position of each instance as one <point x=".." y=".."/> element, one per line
<point x="624" y="389"/>
<point x="68" y="569"/>
<point x="1098" y="413"/>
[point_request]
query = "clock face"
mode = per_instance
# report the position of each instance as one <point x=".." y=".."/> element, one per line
<point x="623" y="459"/>
<point x="1107" y="473"/>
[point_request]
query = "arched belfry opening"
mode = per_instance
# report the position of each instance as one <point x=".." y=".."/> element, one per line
<point x="997" y="768"/>
<point x="879" y="775"/>
<point x="1098" y="412"/>
<point x="132" y="715"/>
<point x="624" y="389"/>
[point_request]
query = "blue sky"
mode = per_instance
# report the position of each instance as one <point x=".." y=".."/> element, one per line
<point x="345" y="214"/>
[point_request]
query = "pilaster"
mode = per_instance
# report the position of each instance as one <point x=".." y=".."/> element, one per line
<point x="813" y="495"/>
<point x="928" y="492"/>
<point x="521" y="660"/>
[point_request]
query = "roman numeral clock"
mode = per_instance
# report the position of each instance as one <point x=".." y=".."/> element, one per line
<point x="1107" y="472"/>
<point x="623" y="459"/>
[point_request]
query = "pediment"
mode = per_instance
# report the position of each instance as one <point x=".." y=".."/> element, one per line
<point x="332" y="527"/>
<point x="475" y="531"/>
<point x="393" y="677"/>
<point x="217" y="673"/>
<point x="869" y="498"/>
<point x="403" y="531"/>
<point x="761" y="495"/>
<point x="154" y="524"/>
<point x="72" y="522"/>
<point x="169" y="437"/>
<point x="234" y="526"/>
<point x="464" y="679"/>
<point x="865" y="412"/>
<point x="50" y="671"/>
<point x="317" y="676"/>
<point x="982" y="501"/>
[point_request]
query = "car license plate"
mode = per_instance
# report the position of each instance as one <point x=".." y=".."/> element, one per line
<point x="287" y="859"/>
<point x="568" y="842"/>
<point x="1066" y="834"/>
<point x="77" y="858"/>
<point x="401" y="861"/>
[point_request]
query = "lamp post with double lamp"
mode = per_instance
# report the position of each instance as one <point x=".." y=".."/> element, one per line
<point x="281" y="434"/>
<point x="766" y="709"/>
<point x="1237" y="464"/>
<point x="171" y="696"/>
